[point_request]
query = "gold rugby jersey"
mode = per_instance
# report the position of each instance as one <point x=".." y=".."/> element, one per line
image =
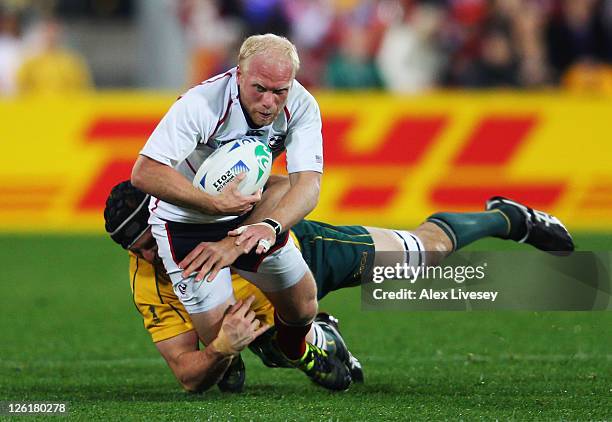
<point x="163" y="314"/>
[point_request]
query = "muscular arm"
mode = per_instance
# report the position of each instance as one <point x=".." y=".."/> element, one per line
<point x="167" y="184"/>
<point x="199" y="370"/>
<point x="276" y="188"/>
<point x="196" y="370"/>
<point x="295" y="204"/>
<point x="301" y="198"/>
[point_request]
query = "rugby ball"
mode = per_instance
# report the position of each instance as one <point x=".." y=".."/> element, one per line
<point x="246" y="155"/>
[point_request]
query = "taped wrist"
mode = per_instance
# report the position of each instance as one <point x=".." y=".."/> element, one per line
<point x="243" y="228"/>
<point x="221" y="345"/>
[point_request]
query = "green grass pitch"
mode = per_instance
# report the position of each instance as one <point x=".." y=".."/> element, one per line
<point x="69" y="332"/>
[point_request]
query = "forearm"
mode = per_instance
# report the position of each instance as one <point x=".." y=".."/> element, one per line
<point x="197" y="371"/>
<point x="277" y="187"/>
<point x="299" y="201"/>
<point x="167" y="184"/>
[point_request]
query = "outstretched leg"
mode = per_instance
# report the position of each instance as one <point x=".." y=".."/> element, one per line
<point x="445" y="232"/>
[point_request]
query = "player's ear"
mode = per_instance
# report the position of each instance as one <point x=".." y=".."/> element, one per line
<point x="238" y="73"/>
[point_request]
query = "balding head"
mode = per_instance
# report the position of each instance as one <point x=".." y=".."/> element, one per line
<point x="269" y="47"/>
<point x="267" y="65"/>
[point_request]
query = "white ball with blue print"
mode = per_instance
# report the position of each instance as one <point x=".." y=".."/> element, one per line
<point x="246" y="155"/>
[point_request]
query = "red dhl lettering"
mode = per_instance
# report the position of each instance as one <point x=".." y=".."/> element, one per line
<point x="404" y="144"/>
<point x="493" y="142"/>
<point x="108" y="129"/>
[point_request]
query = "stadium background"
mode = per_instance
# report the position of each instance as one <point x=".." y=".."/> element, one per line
<point x="427" y="106"/>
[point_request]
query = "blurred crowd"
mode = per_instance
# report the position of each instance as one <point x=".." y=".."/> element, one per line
<point x="403" y="46"/>
<point x="37" y="61"/>
<point x="410" y="46"/>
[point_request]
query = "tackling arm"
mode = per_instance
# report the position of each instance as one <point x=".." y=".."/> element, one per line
<point x="199" y="370"/>
<point x="196" y="370"/>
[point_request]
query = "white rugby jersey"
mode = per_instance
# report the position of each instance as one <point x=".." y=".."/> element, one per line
<point x="210" y="115"/>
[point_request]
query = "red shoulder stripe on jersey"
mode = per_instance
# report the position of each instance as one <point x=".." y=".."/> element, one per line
<point x="287" y="114"/>
<point x="220" y="122"/>
<point x="208" y="81"/>
<point x="216" y="79"/>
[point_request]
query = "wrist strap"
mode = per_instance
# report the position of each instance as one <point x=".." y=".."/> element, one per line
<point x="278" y="228"/>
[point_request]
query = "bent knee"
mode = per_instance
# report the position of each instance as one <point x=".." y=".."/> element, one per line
<point x="433" y="238"/>
<point x="308" y="311"/>
<point x="302" y="313"/>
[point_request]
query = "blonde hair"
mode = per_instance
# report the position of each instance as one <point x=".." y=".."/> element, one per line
<point x="257" y="44"/>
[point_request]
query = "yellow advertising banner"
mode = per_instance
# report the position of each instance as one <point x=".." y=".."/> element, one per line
<point x="389" y="161"/>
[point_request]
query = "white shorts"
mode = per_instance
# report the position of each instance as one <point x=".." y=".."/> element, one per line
<point x="280" y="268"/>
<point x="196" y="296"/>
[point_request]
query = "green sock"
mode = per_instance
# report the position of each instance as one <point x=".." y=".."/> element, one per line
<point x="465" y="228"/>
